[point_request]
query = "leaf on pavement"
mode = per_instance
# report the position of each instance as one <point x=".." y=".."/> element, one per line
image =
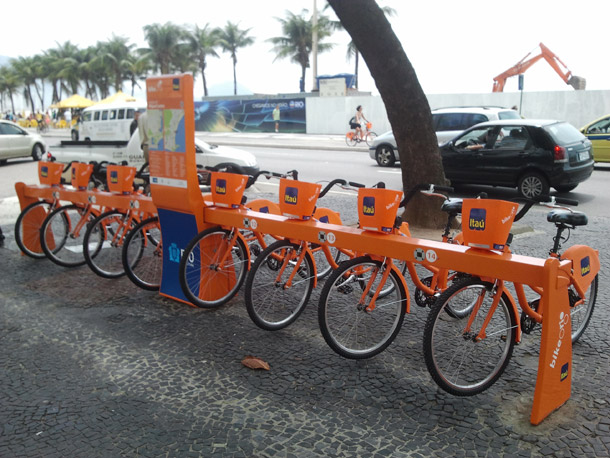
<point x="255" y="363"/>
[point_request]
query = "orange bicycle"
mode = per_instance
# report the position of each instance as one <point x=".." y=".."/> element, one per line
<point x="352" y="138"/>
<point x="473" y="326"/>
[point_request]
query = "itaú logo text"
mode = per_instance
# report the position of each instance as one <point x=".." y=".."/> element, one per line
<point x="585" y="266"/>
<point x="564" y="319"/>
<point x="291" y="196"/>
<point x="44" y="171"/>
<point x="221" y="186"/>
<point x="368" y="206"/>
<point x="476" y="222"/>
<point x="114" y="177"/>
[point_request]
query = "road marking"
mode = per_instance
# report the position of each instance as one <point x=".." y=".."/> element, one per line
<point x="388" y="171"/>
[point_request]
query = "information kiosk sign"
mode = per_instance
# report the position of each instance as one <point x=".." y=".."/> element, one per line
<point x="170" y="127"/>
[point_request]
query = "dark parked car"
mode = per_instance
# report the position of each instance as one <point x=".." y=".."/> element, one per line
<point x="531" y="155"/>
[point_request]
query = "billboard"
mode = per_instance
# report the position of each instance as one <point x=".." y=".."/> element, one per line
<point x="254" y="115"/>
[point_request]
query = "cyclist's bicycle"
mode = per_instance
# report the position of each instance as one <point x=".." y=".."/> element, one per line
<point x="473" y="326"/>
<point x="352" y="138"/>
<point x="42" y="126"/>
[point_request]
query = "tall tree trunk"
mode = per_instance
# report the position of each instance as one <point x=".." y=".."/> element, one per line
<point x="405" y="102"/>
<point x="234" y="77"/>
<point x="205" y="84"/>
<point x="357" y="57"/>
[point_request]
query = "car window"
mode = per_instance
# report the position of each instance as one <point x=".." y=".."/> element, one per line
<point x="130" y="113"/>
<point x="509" y="114"/>
<point x="513" y="138"/>
<point x="112" y="115"/>
<point x="122" y="113"/>
<point x="8" y="129"/>
<point x="564" y="133"/>
<point x="475" y="137"/>
<point x="96" y="116"/>
<point x="449" y="121"/>
<point x="87" y="116"/>
<point x="105" y="115"/>
<point x="474" y="118"/>
<point x="600" y="127"/>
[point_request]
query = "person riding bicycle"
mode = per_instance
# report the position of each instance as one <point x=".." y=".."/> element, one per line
<point x="356" y="122"/>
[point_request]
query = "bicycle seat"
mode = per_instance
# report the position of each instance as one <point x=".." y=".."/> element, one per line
<point x="452" y="206"/>
<point x="567" y="217"/>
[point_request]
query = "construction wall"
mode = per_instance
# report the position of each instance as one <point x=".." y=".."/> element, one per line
<point x="330" y="115"/>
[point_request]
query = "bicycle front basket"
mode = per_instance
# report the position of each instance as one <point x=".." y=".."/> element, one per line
<point x="486" y="223"/>
<point x="377" y="208"/>
<point x="81" y="173"/>
<point x="120" y="178"/>
<point x="49" y="173"/>
<point x="298" y="198"/>
<point x="228" y="189"/>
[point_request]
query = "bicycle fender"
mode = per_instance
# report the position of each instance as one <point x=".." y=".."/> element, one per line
<point x="264" y="206"/>
<point x="326" y="215"/>
<point x="585" y="264"/>
<point x="404" y="285"/>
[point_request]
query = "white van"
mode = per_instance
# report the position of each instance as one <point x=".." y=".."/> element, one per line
<point x="107" y="121"/>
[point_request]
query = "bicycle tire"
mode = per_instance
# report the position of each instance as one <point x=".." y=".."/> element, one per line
<point x="270" y="303"/>
<point x="142" y="254"/>
<point x="205" y="283"/>
<point x="581" y="315"/>
<point x="351" y="139"/>
<point x="57" y="240"/>
<point x="457" y="363"/>
<point x="103" y="243"/>
<point x="27" y="228"/>
<point x="347" y="327"/>
<point x="370" y="137"/>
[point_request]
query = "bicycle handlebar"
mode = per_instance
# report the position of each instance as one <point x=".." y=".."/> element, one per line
<point x="546" y="200"/>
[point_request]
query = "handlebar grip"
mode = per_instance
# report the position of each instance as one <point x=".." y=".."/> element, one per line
<point x="564" y="201"/>
<point x="356" y="185"/>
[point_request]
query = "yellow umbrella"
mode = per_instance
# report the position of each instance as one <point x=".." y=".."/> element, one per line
<point x="76" y="101"/>
<point x="118" y="97"/>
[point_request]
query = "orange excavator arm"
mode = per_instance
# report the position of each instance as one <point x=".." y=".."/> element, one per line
<point x="520" y="67"/>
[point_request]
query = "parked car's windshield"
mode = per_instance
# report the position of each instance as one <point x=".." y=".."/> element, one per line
<point x="564" y="133"/>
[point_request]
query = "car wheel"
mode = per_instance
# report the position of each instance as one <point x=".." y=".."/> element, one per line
<point x="74" y="135"/>
<point x="37" y="152"/>
<point x="532" y="185"/>
<point x="385" y="156"/>
<point x="566" y="188"/>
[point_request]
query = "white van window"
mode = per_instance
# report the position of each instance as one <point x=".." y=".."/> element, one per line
<point x="87" y="116"/>
<point x="105" y="115"/>
<point x="122" y="113"/>
<point x="112" y="115"/>
<point x="130" y="113"/>
<point x="96" y="116"/>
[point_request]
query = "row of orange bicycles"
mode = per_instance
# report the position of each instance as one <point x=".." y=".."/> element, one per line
<point x="473" y="323"/>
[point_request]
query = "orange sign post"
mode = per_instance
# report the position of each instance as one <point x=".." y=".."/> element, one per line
<point x="170" y="127"/>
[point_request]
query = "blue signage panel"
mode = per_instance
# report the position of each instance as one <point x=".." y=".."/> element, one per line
<point x="178" y="230"/>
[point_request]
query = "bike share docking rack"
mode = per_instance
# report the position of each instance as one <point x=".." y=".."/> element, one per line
<point x="183" y="213"/>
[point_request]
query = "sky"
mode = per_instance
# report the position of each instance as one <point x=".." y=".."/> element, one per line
<point x="454" y="46"/>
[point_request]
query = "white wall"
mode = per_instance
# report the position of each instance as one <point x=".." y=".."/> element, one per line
<point x="330" y="115"/>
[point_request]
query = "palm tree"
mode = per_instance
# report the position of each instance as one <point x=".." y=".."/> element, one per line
<point x="230" y="39"/>
<point x="164" y="41"/>
<point x="26" y="72"/>
<point x="202" y="43"/>
<point x="136" y="68"/>
<point x="111" y="54"/>
<point x="297" y="41"/>
<point x="9" y="83"/>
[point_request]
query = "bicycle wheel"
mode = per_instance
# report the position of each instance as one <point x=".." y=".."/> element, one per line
<point x="459" y="362"/>
<point x="370" y="136"/>
<point x="580" y="315"/>
<point x="62" y="234"/>
<point x="271" y="302"/>
<point x="348" y="328"/>
<point x="142" y="254"/>
<point x="350" y="139"/>
<point x="27" y="228"/>
<point x="103" y="243"/>
<point x="210" y="275"/>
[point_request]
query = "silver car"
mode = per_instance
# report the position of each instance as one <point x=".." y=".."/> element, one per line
<point x="17" y="142"/>
<point x="448" y="123"/>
